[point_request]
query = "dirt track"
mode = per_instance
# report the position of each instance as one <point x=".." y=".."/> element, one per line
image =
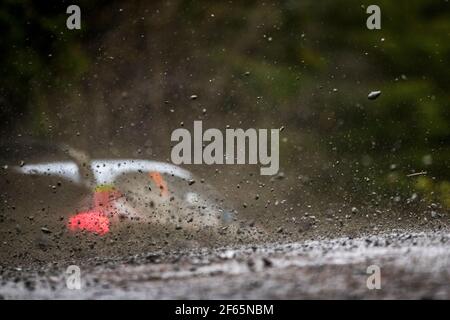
<point x="413" y="266"/>
<point x="284" y="251"/>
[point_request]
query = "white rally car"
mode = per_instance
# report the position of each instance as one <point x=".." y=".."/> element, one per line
<point x="135" y="190"/>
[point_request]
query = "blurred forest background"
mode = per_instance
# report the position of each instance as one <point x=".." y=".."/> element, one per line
<point x="122" y="83"/>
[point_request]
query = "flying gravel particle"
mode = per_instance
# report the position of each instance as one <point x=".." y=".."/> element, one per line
<point x="373" y="95"/>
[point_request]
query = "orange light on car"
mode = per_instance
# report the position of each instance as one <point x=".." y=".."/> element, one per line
<point x="160" y="183"/>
